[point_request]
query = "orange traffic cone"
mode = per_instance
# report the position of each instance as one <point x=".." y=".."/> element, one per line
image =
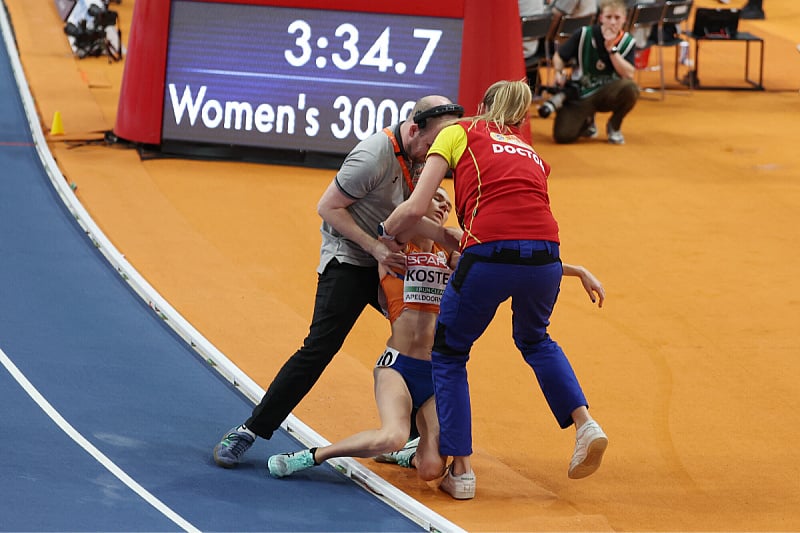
<point x="57" y="127"/>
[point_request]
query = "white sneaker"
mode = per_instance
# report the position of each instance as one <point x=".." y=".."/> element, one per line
<point x="286" y="464"/>
<point x="459" y="487"/>
<point x="590" y="445"/>
<point x="615" y="136"/>
<point x="401" y="457"/>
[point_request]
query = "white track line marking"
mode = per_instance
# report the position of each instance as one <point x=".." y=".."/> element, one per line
<point x="67" y="428"/>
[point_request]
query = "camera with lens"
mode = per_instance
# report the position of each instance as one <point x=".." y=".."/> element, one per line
<point x="90" y="36"/>
<point x="570" y="91"/>
<point x="102" y="16"/>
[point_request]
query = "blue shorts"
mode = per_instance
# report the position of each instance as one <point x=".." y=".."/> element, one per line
<point x="415" y="372"/>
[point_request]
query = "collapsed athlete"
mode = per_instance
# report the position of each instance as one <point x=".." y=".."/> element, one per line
<point x="403" y="371"/>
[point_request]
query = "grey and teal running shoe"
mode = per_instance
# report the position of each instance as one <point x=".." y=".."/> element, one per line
<point x="285" y="464"/>
<point x="231" y="448"/>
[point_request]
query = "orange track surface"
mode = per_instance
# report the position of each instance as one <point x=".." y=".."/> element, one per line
<point x="692" y="366"/>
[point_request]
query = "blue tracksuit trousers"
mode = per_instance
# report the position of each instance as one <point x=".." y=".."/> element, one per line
<point x="528" y="272"/>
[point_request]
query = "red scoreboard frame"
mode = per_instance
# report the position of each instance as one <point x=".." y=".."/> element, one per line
<point x="491" y="50"/>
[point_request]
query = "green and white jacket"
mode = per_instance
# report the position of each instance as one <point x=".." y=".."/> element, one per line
<point x="595" y="67"/>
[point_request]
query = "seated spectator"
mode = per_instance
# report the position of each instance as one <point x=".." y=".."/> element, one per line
<point x="532" y="49"/>
<point x="528" y="8"/>
<point x="572" y="8"/>
<point x="645" y="35"/>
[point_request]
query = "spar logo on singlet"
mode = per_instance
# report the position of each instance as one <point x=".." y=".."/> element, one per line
<point x="511" y="144"/>
<point x="425" y="278"/>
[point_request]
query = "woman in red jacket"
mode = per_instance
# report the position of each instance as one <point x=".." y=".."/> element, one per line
<point x="510" y="249"/>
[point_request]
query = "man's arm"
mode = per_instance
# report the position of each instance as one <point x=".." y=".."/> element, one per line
<point x="624" y="68"/>
<point x="622" y="64"/>
<point x="558" y="66"/>
<point x="567" y="51"/>
<point x="332" y="207"/>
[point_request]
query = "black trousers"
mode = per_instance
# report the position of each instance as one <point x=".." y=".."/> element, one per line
<point x="343" y="291"/>
<point x="618" y="97"/>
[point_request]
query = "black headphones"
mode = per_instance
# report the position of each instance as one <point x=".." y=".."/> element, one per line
<point x="421" y="117"/>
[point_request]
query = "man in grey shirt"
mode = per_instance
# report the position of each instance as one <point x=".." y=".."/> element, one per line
<point x="374" y="179"/>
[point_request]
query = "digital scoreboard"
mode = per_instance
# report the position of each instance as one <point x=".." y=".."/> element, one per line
<point x="300" y="79"/>
<point x="293" y="78"/>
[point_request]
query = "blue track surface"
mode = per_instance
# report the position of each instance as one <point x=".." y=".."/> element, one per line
<point x="129" y="385"/>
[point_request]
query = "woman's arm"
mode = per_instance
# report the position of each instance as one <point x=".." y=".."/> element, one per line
<point x="590" y="283"/>
<point x="447" y="236"/>
<point x="408" y="214"/>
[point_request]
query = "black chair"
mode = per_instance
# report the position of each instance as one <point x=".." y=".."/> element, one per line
<point x="567" y="25"/>
<point x="536" y="28"/>
<point x="559" y="32"/>
<point x="670" y="33"/>
<point x="643" y="17"/>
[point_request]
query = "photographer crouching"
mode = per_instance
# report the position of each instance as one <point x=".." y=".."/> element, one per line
<point x="92" y="30"/>
<point x="602" y="81"/>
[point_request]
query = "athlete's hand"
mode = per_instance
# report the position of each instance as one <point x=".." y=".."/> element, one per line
<point x="454" y="257"/>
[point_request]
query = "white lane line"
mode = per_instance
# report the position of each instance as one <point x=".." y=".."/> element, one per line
<point x="67" y="428"/>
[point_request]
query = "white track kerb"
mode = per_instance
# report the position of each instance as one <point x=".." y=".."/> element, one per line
<point x="353" y="469"/>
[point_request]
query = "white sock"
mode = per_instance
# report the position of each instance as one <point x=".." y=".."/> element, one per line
<point x="244" y="428"/>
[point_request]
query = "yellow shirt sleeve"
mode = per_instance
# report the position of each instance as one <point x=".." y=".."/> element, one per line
<point x="450" y="144"/>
